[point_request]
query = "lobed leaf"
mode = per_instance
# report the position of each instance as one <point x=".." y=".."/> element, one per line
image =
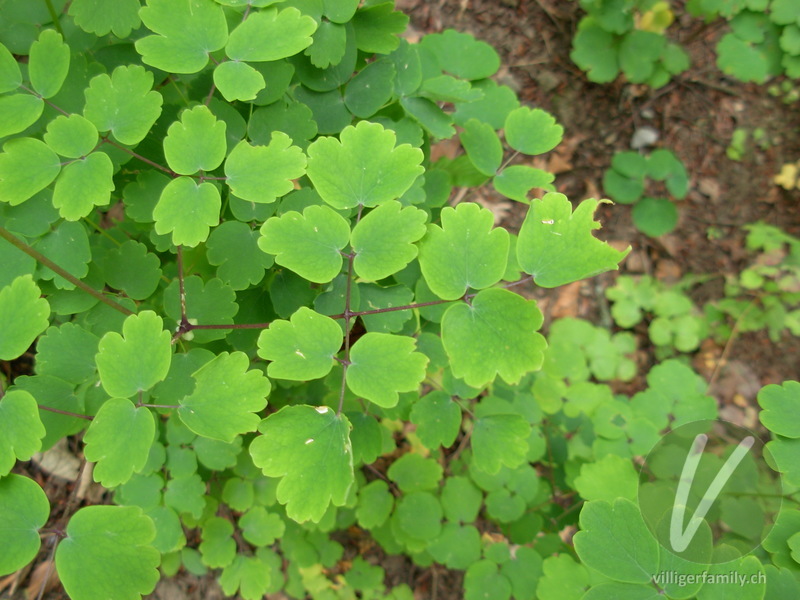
<point x="302" y="348"/>
<point x="187" y="30"/>
<point x="82" y="185"/>
<point x="557" y="247"/>
<point x="116" y="540"/>
<point x="271" y="35"/>
<point x="362" y="167"/>
<point x="18" y="112"/>
<point x="101" y="17"/>
<point x="226" y="396"/>
<point x="24" y="509"/>
<point x="494" y="334"/>
<point x="383" y="241"/>
<point x="300" y="440"/>
<point x="465" y="252"/>
<point x="264" y="173"/>
<point x="187" y="210"/>
<point x="24" y="314"/>
<point x="119" y="440"/>
<point x="27" y="166"/>
<point x="73" y="136"/>
<point x="309" y="244"/>
<point x="48" y="63"/>
<point x="21" y="430"/>
<point x="136" y="360"/>
<point x="196" y="142"/>
<point x="532" y="131"/>
<point x="238" y="81"/>
<point x="124" y="103"/>
<point x="381" y="365"/>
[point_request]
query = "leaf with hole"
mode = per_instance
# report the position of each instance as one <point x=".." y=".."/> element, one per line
<point x="298" y="440"/>
<point x="557" y="247"/>
<point x="302" y="348"/>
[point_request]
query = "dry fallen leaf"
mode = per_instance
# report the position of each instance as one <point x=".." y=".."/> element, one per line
<point x="59" y="461"/>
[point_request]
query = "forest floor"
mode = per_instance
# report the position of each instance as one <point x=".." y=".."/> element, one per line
<point x="695" y="116"/>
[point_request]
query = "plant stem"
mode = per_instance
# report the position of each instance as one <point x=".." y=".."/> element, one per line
<point x="66" y="412"/>
<point x="138" y="156"/>
<point x="54" y="15"/>
<point x="42" y="259"/>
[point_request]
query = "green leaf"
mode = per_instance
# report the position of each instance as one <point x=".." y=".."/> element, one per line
<point x="615" y="541"/>
<point x="136" y="360"/>
<point x="377" y="26"/>
<point x="741" y="59"/>
<point x="196" y="142"/>
<point x="132" y="269"/>
<point x="462" y="55"/>
<point x="437" y="122"/>
<point x="414" y="473"/>
<point x="10" y="75"/>
<point x="494" y="334"/>
<point x="21" y="430"/>
<point x="448" y="89"/>
<point x="18" y="112"/>
<point x="532" y="131"/>
<point x="330" y="43"/>
<point x="557" y="247"/>
<point x="218" y="546"/>
<point x="261" y="528"/>
<point x="116" y="540"/>
<point x="297" y="441"/>
<point x="381" y="365"/>
<point x="375" y="503"/>
<point x="271" y="35"/>
<point x="251" y="575"/>
<point x="779" y="406"/>
<point x="493" y="108"/>
<point x="517" y="180"/>
<point x="225" y="398"/>
<point x="308" y="244"/>
<point x="465" y="252"/>
<point x="302" y="348"/>
<point x="419" y="515"/>
<point x="482" y="146"/>
<point x="67" y="352"/>
<point x="100" y="18"/>
<point x="73" y="136"/>
<point x="238" y="81"/>
<point x="362" y="167"/>
<point x="564" y="579"/>
<point x="374" y="297"/>
<point x="639" y="53"/>
<point x="596" y="51"/>
<point x="438" y="419"/>
<point x="119" y="441"/>
<point x="383" y="241"/>
<point x="187" y="211"/>
<point x="68" y="245"/>
<point x="655" y="216"/>
<point x="48" y="63"/>
<point x="24" y="509"/>
<point x="188" y="30"/>
<point x="24" y="314"/>
<point x="264" y="173"/>
<point x="27" y="166"/>
<point x="82" y="185"/>
<point x="607" y="479"/>
<point x="371" y="89"/>
<point x="461" y="499"/>
<point x="124" y="103"/>
<point x="233" y="248"/>
<point x="499" y="440"/>
<point x="206" y="301"/>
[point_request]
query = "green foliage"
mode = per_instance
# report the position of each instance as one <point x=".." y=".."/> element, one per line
<point x="249" y="299"/>
<point x="626" y="181"/>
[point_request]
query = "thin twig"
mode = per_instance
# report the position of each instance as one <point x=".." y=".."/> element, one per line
<point x="42" y="259"/>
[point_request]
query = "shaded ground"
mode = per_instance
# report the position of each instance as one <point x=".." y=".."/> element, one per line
<point x="695" y="116"/>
